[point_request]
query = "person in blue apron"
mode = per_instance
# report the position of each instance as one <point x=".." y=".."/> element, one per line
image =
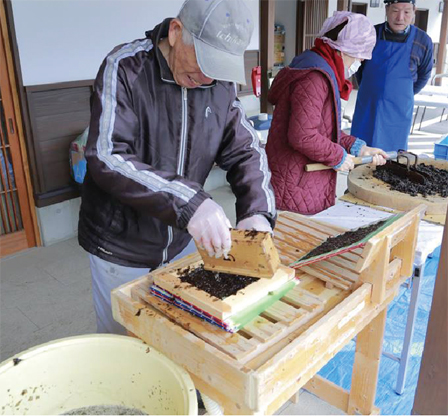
<point x="400" y="67"/>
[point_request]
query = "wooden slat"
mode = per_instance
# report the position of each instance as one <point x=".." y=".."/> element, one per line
<point x="327" y="277"/>
<point x="282" y="312"/>
<point x="304" y="242"/>
<point x="328" y="391"/>
<point x="295" y="398"/>
<point x="334" y="269"/>
<point x="376" y="274"/>
<point x="297" y="246"/>
<point x="302" y="299"/>
<point x="405" y="249"/>
<point x="393" y="273"/>
<point x="353" y="256"/>
<point x="230" y="405"/>
<point x="332" y="393"/>
<point x="301" y="228"/>
<point x="319" y="226"/>
<point x="261" y="329"/>
<point x="329" y="227"/>
<point x="344" y="263"/>
<point x="296" y="237"/>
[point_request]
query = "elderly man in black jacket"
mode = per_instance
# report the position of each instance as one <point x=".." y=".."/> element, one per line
<point x="164" y="111"/>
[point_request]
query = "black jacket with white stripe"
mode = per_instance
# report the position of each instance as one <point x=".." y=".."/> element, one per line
<point x="151" y="147"/>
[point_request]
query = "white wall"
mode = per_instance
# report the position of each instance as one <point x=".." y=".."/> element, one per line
<point x="66" y="40"/>
<point x="332" y="7"/>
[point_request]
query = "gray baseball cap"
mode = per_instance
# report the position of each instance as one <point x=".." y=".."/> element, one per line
<point x="221" y="31"/>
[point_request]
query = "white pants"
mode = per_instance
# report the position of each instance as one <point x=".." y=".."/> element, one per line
<point x="107" y="276"/>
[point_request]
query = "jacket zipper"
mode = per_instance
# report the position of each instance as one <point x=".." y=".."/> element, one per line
<point x="183" y="137"/>
<point x="180" y="162"/>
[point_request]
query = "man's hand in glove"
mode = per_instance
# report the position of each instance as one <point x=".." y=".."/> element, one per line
<point x="210" y="228"/>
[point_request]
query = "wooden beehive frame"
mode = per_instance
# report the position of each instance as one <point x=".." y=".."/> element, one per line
<point x="259" y="368"/>
<point x="168" y="279"/>
<point x="252" y="254"/>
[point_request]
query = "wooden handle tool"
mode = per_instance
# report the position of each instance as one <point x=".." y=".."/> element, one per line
<point x="361" y="160"/>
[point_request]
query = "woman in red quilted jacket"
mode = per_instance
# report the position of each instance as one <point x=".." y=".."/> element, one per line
<point x="306" y="126"/>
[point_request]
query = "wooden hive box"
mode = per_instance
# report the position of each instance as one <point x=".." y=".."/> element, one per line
<point x="252" y="254"/>
<point x="168" y="278"/>
<point x="263" y="365"/>
<point x="364" y="186"/>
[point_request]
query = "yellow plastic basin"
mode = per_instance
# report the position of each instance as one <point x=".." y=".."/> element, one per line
<point x="94" y="370"/>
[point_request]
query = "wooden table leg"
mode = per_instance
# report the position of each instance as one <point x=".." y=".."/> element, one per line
<point x="295" y="398"/>
<point x="369" y="345"/>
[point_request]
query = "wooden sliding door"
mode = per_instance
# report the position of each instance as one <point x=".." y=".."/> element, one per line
<point x="18" y="228"/>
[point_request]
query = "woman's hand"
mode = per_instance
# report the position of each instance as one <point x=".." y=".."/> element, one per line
<point x="348" y="164"/>
<point x="379" y="155"/>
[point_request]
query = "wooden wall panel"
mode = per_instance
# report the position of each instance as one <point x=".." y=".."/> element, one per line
<point x="58" y="113"/>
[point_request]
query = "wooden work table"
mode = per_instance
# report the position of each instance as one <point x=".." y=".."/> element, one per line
<point x="259" y="368"/>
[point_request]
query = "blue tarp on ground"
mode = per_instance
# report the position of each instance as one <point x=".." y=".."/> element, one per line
<point x="339" y="369"/>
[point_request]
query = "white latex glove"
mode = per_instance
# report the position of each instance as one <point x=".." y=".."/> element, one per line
<point x="210" y="228"/>
<point x="348" y="164"/>
<point x="255" y="222"/>
<point x="379" y="155"/>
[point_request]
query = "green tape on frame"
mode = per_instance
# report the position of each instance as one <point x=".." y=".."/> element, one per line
<point x="244" y="317"/>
